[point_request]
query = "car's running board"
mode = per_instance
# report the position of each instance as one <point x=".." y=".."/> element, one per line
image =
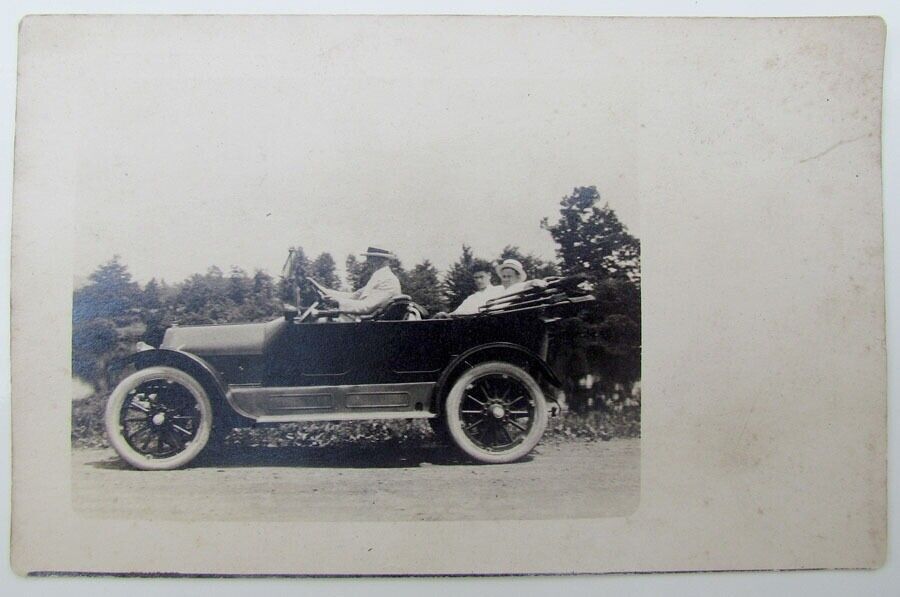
<point x="333" y="403"/>
<point x="304" y="418"/>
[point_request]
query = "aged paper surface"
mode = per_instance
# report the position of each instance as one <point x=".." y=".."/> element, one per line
<point x="755" y="160"/>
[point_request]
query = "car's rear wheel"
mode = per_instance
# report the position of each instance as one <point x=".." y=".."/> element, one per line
<point x="496" y="412"/>
<point x="158" y="418"/>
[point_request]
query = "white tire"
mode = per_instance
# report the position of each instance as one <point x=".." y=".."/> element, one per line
<point x="496" y="412"/>
<point x="158" y="418"/>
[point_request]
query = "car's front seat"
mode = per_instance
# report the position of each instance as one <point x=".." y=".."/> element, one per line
<point x="400" y="308"/>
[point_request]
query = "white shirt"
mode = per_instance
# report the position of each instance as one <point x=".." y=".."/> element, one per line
<point x="477" y="299"/>
<point x="517" y="287"/>
<point x="379" y="290"/>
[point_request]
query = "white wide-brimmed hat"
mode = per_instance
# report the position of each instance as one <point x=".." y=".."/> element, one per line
<point x="514" y="265"/>
<point x="376" y="252"/>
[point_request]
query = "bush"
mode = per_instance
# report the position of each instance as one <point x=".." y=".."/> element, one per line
<point x="93" y="342"/>
<point x="87" y="422"/>
<point x="593" y="426"/>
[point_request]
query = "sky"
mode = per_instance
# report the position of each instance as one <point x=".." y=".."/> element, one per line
<point x="198" y="149"/>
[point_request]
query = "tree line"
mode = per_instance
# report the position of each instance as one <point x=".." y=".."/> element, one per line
<point x="112" y="311"/>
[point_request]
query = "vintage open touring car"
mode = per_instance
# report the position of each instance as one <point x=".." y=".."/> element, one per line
<point x="478" y="379"/>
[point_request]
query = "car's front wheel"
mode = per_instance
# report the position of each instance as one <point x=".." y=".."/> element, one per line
<point x="496" y="412"/>
<point x="158" y="418"/>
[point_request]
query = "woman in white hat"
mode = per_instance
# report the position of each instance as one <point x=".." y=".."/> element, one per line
<point x="513" y="277"/>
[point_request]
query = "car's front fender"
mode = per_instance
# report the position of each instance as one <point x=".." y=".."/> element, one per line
<point x="185" y="361"/>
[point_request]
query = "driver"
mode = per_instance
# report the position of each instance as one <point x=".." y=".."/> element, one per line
<point x="382" y="286"/>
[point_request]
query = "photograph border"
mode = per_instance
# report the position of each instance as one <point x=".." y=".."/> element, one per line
<point x="828" y="582"/>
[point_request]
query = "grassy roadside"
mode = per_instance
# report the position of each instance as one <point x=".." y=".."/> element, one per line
<point x="88" y="431"/>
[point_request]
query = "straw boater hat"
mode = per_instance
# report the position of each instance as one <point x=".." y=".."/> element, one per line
<point x="514" y="265"/>
<point x="376" y="252"/>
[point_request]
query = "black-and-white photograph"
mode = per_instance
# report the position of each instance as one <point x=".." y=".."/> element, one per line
<point x="447" y="295"/>
<point x="312" y="288"/>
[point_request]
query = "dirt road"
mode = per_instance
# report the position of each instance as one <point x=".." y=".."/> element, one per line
<point x="559" y="480"/>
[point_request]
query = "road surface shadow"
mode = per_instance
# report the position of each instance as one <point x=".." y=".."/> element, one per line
<point x="359" y="456"/>
<point x="347" y="456"/>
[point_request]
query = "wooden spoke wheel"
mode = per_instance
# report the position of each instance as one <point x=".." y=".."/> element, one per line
<point x="158" y="418"/>
<point x="496" y="412"/>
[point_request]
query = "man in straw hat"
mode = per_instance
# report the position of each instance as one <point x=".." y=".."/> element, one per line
<point x="382" y="286"/>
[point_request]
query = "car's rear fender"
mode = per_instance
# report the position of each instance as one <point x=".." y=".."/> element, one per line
<point x="495" y="351"/>
<point x="189" y="363"/>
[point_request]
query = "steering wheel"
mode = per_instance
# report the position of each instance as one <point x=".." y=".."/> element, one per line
<point x="320" y="291"/>
<point x="308" y="312"/>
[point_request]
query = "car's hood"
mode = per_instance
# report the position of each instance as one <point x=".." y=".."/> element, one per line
<point x="230" y="339"/>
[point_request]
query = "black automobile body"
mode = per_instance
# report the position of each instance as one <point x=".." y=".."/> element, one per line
<point x="478" y="379"/>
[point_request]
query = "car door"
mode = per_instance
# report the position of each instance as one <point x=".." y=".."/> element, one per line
<point x="413" y="350"/>
<point x="314" y="354"/>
